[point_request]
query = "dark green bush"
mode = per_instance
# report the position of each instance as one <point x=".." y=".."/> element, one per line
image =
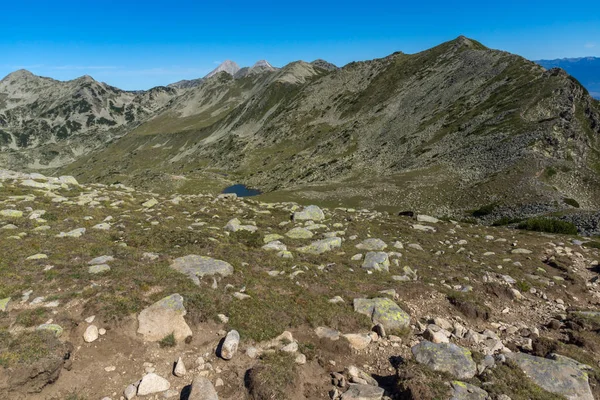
<point x="506" y="221"/>
<point x="548" y="225"/>
<point x="485" y="210"/>
<point x="571" y="202"/>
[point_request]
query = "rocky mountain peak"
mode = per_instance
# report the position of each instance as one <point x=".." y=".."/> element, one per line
<point x="20" y="74"/>
<point x="228" y="66"/>
<point x="263" y="64"/>
<point x="320" y="63"/>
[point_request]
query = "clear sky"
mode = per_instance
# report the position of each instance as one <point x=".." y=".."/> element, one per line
<point x="137" y="45"/>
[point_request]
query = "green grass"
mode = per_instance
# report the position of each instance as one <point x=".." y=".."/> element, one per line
<point x="168" y="341"/>
<point x="26" y="347"/>
<point x="548" y="225"/>
<point x="273" y="378"/>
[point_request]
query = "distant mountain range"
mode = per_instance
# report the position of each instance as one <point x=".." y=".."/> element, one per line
<point x="451" y="130"/>
<point x="586" y="70"/>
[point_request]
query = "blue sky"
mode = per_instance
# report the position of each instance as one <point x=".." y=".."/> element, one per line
<point x="137" y="45"/>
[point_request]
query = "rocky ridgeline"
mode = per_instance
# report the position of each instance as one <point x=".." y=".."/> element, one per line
<point x="114" y="293"/>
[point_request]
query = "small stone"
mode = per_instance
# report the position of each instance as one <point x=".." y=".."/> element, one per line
<point x="91" y="334"/>
<point x="180" y="370"/>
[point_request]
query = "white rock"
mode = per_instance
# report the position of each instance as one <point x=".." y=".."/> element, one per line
<point x="91" y="334"/>
<point x="152" y="383"/>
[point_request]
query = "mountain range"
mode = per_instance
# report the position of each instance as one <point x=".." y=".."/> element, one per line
<point x="456" y="130"/>
<point x="585" y="69"/>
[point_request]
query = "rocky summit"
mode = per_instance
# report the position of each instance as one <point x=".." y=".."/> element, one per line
<point x="174" y="299"/>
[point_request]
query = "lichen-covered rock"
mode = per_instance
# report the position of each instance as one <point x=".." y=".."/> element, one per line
<point x="561" y="376"/>
<point x="312" y="213"/>
<point x="372" y="244"/>
<point x="11" y="213"/>
<point x="466" y="391"/>
<point x="163" y="318"/>
<point x="383" y="311"/>
<point x="446" y="357"/>
<point x="299" y="233"/>
<point x="363" y="392"/>
<point x="196" y="267"/>
<point x="376" y="261"/>
<point x="321" y="246"/>
<point x="4" y="304"/>
<point x="98" y="269"/>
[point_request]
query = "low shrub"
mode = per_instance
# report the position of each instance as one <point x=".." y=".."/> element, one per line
<point x="548" y="225"/>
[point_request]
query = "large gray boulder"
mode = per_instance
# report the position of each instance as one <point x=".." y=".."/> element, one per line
<point x="198" y="266"/>
<point x="202" y="389"/>
<point x="562" y="375"/>
<point x="376" y="261"/>
<point x="383" y="311"/>
<point x="312" y="213"/>
<point x="163" y="318"/>
<point x="446" y="357"/>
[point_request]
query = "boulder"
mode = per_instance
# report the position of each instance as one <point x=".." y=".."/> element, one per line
<point x="163" y="318"/>
<point x="321" y="246"/>
<point x="230" y="345"/>
<point x="372" y="245"/>
<point x="98" y="269"/>
<point x="427" y="218"/>
<point x="312" y="213"/>
<point x="358" y="341"/>
<point x="235" y="225"/>
<point x="101" y="260"/>
<point x="299" y="233"/>
<point x="466" y="391"/>
<point x="152" y="383"/>
<point x="561" y="375"/>
<point x="383" y="311"/>
<point x="363" y="392"/>
<point x="376" y="261"/>
<point x="446" y="357"/>
<point x="91" y="334"/>
<point x="11" y="213"/>
<point x="202" y="389"/>
<point x="196" y="267"/>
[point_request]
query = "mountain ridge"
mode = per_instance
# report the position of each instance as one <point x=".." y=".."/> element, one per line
<point x="446" y="130"/>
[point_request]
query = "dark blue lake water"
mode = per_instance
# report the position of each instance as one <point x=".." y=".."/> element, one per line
<point x="241" y="190"/>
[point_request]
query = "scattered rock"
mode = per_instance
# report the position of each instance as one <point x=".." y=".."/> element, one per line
<point x="363" y="392"/>
<point x="202" y="389"/>
<point x="163" y="318"/>
<point x="152" y="383"/>
<point x="312" y="213"/>
<point x="446" y="357"/>
<point x="383" y="311"/>
<point x="372" y="245"/>
<point x="561" y="376"/>
<point x="230" y="345"/>
<point x="198" y="266"/>
<point x="91" y="334"/>
<point x="377" y="261"/>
